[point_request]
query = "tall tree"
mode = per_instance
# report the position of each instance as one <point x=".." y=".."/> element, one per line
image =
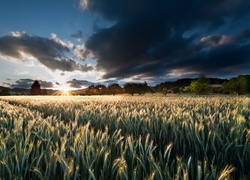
<point x="200" y="86"/>
<point x="138" y="88"/>
<point x="114" y="88"/>
<point x="130" y="88"/>
<point x="35" y="88"/>
<point x="101" y="89"/>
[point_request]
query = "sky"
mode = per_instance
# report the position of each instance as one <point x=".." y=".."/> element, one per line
<point x="76" y="43"/>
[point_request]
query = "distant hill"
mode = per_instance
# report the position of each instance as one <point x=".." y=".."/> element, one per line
<point x="22" y="91"/>
<point x="3" y="88"/>
<point x="181" y="83"/>
<point x="17" y="91"/>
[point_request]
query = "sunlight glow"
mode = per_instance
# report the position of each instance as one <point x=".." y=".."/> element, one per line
<point x="63" y="93"/>
<point x="64" y="90"/>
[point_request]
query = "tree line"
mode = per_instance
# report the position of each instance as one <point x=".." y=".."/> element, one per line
<point x="130" y="88"/>
<point x="239" y="85"/>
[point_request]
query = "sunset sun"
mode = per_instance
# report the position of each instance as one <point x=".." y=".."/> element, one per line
<point x="64" y="90"/>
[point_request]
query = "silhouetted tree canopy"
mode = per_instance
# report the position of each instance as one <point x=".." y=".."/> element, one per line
<point x="97" y="90"/>
<point x="136" y="88"/>
<point x="35" y="88"/>
<point x="114" y="89"/>
<point x="101" y="89"/>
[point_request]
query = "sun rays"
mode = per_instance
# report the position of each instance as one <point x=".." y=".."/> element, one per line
<point x="63" y="90"/>
<point x="63" y="93"/>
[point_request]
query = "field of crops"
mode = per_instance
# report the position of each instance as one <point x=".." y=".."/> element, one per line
<point x="125" y="137"/>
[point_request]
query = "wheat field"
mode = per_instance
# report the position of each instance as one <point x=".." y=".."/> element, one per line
<point x="125" y="137"/>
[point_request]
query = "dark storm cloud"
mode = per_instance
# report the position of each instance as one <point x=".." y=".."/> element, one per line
<point x="49" y="52"/>
<point x="221" y="60"/>
<point x="74" y="83"/>
<point x="78" y="35"/>
<point x="26" y="84"/>
<point x="108" y="82"/>
<point x="22" y="83"/>
<point x="46" y="84"/>
<point x="216" y="39"/>
<point x="151" y="38"/>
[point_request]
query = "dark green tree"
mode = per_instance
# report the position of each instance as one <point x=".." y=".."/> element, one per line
<point x="5" y="92"/>
<point x="200" y="86"/>
<point x="35" y="88"/>
<point x="176" y="90"/>
<point x="237" y="85"/>
<point x="164" y="91"/>
<point x="143" y="88"/>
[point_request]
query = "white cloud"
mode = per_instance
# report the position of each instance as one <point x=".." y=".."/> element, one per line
<point x="18" y="33"/>
<point x="83" y="4"/>
<point x="82" y="53"/>
<point x="67" y="44"/>
<point x="216" y="40"/>
<point x="5" y="84"/>
<point x="9" y="58"/>
<point x="29" y="49"/>
<point x="19" y="73"/>
<point x="180" y="73"/>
